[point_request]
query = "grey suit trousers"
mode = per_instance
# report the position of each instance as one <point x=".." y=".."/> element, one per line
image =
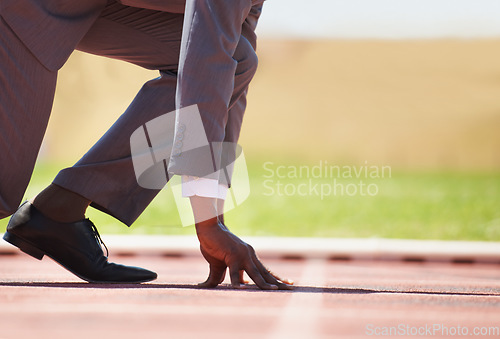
<point x="150" y="37"/>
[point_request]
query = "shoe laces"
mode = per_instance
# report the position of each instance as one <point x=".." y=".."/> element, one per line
<point x="97" y="237"/>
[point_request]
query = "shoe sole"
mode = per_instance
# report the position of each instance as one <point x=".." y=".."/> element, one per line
<point x="23" y="245"/>
<point x="37" y="253"/>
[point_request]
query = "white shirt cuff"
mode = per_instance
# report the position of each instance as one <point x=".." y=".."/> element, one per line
<point x="202" y="187"/>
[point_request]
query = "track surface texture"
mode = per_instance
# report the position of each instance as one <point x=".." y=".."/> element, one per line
<point x="332" y="299"/>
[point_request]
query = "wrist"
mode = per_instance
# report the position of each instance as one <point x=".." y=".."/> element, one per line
<point x="204" y="210"/>
<point x="210" y="227"/>
<point x="206" y="225"/>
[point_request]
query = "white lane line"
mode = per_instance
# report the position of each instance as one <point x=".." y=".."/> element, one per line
<point x="300" y="316"/>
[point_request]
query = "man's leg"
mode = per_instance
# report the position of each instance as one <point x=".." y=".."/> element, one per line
<point x="25" y="104"/>
<point x="105" y="175"/>
<point x="157" y="48"/>
<point x="26" y="95"/>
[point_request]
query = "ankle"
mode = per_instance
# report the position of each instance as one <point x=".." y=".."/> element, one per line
<point x="60" y="204"/>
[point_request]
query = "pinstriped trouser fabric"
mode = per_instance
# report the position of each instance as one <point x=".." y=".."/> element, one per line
<point x="26" y="94"/>
<point x="150" y="39"/>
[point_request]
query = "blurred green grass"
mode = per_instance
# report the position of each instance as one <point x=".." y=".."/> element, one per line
<point x="445" y="205"/>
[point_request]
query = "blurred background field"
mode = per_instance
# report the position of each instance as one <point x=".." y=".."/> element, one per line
<point x="448" y="205"/>
<point x="428" y="109"/>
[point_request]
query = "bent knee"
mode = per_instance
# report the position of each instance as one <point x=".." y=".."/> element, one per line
<point x="8" y="207"/>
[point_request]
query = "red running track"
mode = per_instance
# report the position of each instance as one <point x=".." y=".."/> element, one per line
<point x="333" y="299"/>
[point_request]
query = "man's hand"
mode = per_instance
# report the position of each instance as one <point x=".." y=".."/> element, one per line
<point x="223" y="249"/>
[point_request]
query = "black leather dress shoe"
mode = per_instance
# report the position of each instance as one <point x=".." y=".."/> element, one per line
<point x="75" y="246"/>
